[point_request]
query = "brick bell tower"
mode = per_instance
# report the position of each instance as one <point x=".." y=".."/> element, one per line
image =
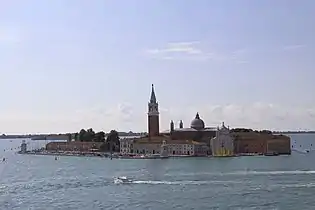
<point x="153" y="115"/>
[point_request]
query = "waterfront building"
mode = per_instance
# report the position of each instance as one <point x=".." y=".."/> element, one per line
<point x="260" y="142"/>
<point x="278" y="144"/>
<point x="187" y="147"/>
<point x="126" y="146"/>
<point x="223" y="143"/>
<point x="148" y="145"/>
<point x="174" y="147"/>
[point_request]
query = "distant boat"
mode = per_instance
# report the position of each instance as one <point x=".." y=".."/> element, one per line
<point x="122" y="180"/>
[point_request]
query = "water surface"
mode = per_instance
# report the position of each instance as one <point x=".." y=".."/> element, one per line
<point x="40" y="182"/>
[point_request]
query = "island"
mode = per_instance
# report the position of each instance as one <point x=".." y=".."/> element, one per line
<point x="194" y="140"/>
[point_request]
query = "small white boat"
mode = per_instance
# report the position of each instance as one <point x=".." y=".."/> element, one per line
<point x="122" y="180"/>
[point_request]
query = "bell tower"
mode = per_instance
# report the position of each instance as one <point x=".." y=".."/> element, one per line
<point x="153" y="115"/>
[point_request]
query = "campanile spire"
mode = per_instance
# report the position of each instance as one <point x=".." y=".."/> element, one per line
<point x="153" y="115"/>
<point x="153" y="97"/>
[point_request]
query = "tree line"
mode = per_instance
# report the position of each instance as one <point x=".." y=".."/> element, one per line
<point x="111" y="141"/>
<point x="247" y="130"/>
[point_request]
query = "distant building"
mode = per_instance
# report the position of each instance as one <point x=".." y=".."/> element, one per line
<point x="174" y="147"/>
<point x="223" y="143"/>
<point x="148" y="145"/>
<point x="261" y="143"/>
<point x="187" y="147"/>
<point x="126" y="146"/>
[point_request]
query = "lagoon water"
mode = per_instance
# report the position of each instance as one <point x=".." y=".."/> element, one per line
<point x="41" y="182"/>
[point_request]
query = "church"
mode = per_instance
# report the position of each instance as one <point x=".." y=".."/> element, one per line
<point x="197" y="130"/>
<point x="181" y="141"/>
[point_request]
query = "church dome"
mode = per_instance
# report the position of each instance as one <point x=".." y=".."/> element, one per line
<point x="197" y="123"/>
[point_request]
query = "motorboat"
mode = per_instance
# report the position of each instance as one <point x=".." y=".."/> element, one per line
<point x="122" y="180"/>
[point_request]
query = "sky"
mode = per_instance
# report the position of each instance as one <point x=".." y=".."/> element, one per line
<point x="67" y="65"/>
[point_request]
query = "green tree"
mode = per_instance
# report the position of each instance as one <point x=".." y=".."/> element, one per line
<point x="89" y="135"/>
<point x="100" y="137"/>
<point x="82" y="135"/>
<point x="86" y="135"/>
<point x="113" y="140"/>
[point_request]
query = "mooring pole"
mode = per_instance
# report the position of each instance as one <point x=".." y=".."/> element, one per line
<point x="111" y="150"/>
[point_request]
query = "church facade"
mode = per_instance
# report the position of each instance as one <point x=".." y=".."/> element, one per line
<point x="222" y="145"/>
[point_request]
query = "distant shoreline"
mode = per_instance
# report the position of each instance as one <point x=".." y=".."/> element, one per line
<point x="293" y="132"/>
<point x="122" y="134"/>
<point x="60" y="136"/>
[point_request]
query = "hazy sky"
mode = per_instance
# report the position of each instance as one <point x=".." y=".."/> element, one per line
<point x="74" y="64"/>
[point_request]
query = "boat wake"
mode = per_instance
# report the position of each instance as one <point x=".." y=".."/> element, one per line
<point x="185" y="182"/>
<point x="125" y="180"/>
<point x="162" y="182"/>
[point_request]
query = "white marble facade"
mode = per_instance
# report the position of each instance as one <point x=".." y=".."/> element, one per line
<point x="223" y="143"/>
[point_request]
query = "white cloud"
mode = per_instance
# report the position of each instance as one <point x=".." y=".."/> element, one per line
<point x="293" y="47"/>
<point x="178" y="47"/>
<point x="192" y="51"/>
<point x="125" y="117"/>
